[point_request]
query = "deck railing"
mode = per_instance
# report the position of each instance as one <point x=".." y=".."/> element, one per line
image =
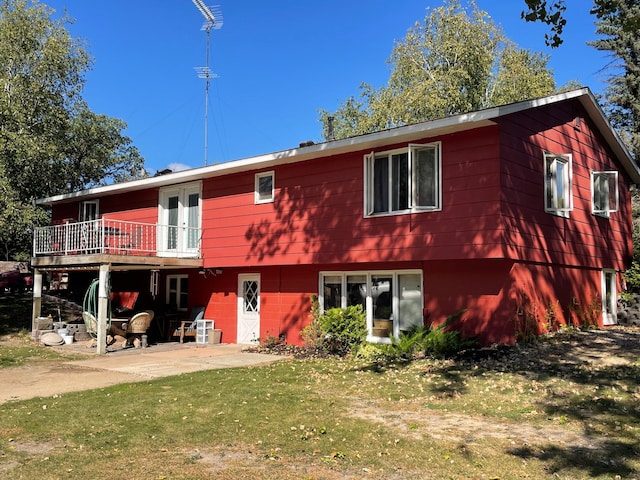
<point x="117" y="237"/>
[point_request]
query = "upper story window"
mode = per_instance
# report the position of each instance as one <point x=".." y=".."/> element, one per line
<point x="264" y="187"/>
<point x="557" y="185"/>
<point x="604" y="193"/>
<point x="403" y="181"/>
<point x="88" y="210"/>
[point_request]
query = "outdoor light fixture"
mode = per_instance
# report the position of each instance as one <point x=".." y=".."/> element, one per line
<point x="208" y="272"/>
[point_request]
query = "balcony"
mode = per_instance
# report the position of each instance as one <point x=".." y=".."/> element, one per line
<point x="116" y="237"/>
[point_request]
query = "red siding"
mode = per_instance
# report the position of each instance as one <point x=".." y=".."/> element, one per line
<point x="492" y="250"/>
<point x="318" y="216"/>
<point x="533" y="235"/>
<point x="141" y="206"/>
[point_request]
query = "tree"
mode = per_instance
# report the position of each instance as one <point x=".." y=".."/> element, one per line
<point x="50" y="142"/>
<point x="457" y="61"/>
<point x="552" y="15"/>
<point x="617" y="22"/>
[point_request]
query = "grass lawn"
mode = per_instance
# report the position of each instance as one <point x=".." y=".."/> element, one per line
<point x="536" y="412"/>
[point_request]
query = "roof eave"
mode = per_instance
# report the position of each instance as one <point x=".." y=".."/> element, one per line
<point x="454" y="123"/>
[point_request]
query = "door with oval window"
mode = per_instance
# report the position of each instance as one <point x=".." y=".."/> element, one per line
<point x="248" y="308"/>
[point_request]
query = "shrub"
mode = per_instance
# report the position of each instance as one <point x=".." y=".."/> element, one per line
<point x="313" y="334"/>
<point x="443" y="341"/>
<point x="406" y="345"/>
<point x="376" y="353"/>
<point x="344" y="328"/>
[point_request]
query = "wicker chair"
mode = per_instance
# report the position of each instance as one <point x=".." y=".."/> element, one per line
<point x="138" y="326"/>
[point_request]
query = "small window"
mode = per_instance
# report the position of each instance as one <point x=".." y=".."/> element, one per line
<point x="403" y="181"/>
<point x="557" y="185"/>
<point x="604" y="193"/>
<point x="88" y="211"/>
<point x="264" y="187"/>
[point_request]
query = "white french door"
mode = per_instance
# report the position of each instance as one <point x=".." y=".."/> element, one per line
<point x="179" y="215"/>
<point x="248" y="308"/>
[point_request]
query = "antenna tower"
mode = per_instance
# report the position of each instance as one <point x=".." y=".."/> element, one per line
<point x="212" y="21"/>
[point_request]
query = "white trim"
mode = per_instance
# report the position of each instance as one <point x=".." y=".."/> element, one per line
<point x="182" y="191"/>
<point x="256" y="186"/>
<point x="369" y="180"/>
<point x="609" y="317"/>
<point x="551" y="159"/>
<point x="178" y="291"/>
<point x="605" y="212"/>
<point x="248" y="319"/>
<point x="394" y="274"/>
<point x="82" y="213"/>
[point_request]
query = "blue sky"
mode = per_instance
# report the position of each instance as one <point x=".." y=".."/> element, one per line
<point x="278" y="62"/>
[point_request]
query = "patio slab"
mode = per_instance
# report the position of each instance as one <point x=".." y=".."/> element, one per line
<point x="123" y="366"/>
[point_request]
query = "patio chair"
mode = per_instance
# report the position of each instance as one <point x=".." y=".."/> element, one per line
<point x="138" y="326"/>
<point x="187" y="328"/>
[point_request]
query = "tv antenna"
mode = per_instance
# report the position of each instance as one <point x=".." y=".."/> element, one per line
<point x="212" y="21"/>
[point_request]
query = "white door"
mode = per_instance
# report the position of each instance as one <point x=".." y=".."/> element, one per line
<point x="248" y="308"/>
<point x="410" y="301"/>
<point x="179" y="220"/>
<point x="609" y="298"/>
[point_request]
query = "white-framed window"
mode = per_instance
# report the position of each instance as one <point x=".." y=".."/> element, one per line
<point x="180" y="220"/>
<point x="264" y="187"/>
<point x="89" y="210"/>
<point x="392" y="299"/>
<point x="557" y="185"/>
<point x="604" y="192"/>
<point x="177" y="292"/>
<point x="404" y="180"/>
<point x="609" y="298"/>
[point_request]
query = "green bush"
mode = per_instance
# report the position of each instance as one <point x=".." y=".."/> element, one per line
<point x="406" y="345"/>
<point x="444" y="341"/>
<point x="376" y="353"/>
<point x="632" y="277"/>
<point x="344" y="328"/>
<point x="313" y="334"/>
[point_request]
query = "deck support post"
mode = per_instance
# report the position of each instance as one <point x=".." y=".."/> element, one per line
<point x="103" y="302"/>
<point x="37" y="301"/>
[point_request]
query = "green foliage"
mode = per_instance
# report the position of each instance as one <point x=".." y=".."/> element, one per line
<point x="344" y="328"/>
<point x="313" y="334"/>
<point x="617" y="25"/>
<point x="552" y="15"/>
<point x="586" y="315"/>
<point x="456" y="61"/>
<point x="444" y="340"/>
<point x="437" y="342"/>
<point x="632" y="277"/>
<point x="377" y="353"/>
<point x="50" y="142"/>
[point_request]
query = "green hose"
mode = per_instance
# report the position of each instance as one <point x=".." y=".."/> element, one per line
<point x="90" y="307"/>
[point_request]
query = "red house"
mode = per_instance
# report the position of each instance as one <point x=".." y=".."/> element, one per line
<point x="520" y="214"/>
